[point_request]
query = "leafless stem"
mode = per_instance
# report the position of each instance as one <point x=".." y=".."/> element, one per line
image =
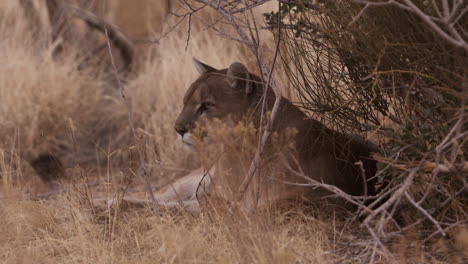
<point x="223" y="9"/>
<point x="424" y="212"/>
<point x="149" y="189"/>
<point x="266" y="134"/>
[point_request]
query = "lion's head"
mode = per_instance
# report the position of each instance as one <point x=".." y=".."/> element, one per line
<point x="225" y="95"/>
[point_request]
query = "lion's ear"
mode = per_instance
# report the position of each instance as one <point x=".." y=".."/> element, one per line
<point x="202" y="67"/>
<point x="239" y="77"/>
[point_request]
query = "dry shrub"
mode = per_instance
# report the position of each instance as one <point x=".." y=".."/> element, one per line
<point x="384" y="65"/>
<point x="48" y="105"/>
<point x="387" y="72"/>
<point x="229" y="147"/>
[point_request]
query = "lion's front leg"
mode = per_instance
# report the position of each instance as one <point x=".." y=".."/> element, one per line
<point x="193" y="185"/>
<point x="181" y="195"/>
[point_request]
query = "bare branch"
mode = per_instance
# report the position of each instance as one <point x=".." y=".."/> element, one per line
<point x="130" y="118"/>
<point x="223" y="9"/>
<point x="424" y="212"/>
<point x="255" y="163"/>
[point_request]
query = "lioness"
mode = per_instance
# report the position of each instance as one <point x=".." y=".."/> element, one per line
<point x="235" y="95"/>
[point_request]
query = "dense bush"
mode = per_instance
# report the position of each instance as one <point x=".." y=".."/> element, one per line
<point x="384" y="70"/>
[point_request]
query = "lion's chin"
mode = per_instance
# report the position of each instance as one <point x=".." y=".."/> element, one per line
<point x="189" y="147"/>
<point x="186" y="141"/>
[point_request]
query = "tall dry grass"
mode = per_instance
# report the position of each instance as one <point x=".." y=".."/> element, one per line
<point x="47" y="105"/>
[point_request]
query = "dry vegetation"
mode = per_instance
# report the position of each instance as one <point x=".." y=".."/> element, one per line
<point x="49" y="103"/>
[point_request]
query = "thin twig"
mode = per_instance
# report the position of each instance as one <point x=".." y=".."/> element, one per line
<point x="149" y="189"/>
<point x="266" y="134"/>
<point x="424" y="212"/>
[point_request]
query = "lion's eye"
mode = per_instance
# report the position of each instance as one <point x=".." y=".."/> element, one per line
<point x="205" y="106"/>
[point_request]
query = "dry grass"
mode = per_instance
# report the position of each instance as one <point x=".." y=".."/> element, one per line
<point x="66" y="232"/>
<point x="47" y="105"/>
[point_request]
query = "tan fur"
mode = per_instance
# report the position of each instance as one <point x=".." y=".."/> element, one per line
<point x="232" y="96"/>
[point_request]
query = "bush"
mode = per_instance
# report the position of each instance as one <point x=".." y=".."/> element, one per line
<point x="383" y="70"/>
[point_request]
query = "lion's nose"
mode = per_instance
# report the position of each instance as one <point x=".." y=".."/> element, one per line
<point x="181" y="130"/>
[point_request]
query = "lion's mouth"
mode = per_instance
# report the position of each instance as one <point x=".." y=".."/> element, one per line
<point x="186" y="140"/>
<point x="188" y="143"/>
